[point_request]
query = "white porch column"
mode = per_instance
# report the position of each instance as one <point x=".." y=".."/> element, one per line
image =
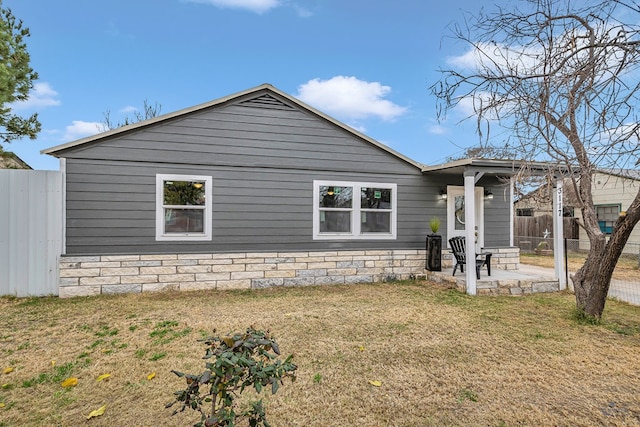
<point x="470" y="230"/>
<point x="558" y="234"/>
<point x="511" y="217"/>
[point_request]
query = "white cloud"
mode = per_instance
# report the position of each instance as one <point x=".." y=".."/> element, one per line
<point x="359" y="128"/>
<point x="350" y="98"/>
<point x="128" y="109"/>
<point x="257" y="6"/>
<point x="302" y="12"/>
<point x="437" y="130"/>
<point x="42" y="95"/>
<point x="79" y="129"/>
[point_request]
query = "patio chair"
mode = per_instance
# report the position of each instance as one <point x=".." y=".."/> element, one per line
<point x="459" y="250"/>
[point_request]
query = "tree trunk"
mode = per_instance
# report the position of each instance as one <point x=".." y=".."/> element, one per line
<point x="591" y="282"/>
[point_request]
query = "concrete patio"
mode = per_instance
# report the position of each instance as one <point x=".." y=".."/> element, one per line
<point x="528" y="279"/>
<point x="525" y="280"/>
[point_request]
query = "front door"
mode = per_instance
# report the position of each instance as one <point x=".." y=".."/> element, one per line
<point x="455" y="214"/>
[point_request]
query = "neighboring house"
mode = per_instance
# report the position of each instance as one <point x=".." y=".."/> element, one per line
<point x="258" y="189"/>
<point x="538" y="202"/>
<point x="612" y="192"/>
<point x="9" y="160"/>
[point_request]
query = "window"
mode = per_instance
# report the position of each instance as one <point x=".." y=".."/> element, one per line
<point x="524" y="212"/>
<point x="607" y="216"/>
<point x="183" y="207"/>
<point x="349" y="210"/>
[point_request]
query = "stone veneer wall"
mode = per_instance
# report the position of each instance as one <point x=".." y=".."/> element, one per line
<point x="502" y="258"/>
<point x="110" y="274"/>
<point x="505" y="257"/>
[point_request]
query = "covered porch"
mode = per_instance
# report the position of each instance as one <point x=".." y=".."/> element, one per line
<point x="507" y="279"/>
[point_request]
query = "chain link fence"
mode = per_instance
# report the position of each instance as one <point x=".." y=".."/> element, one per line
<point x="625" y="283"/>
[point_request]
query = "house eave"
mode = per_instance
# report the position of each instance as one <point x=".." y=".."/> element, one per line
<point x="506" y="167"/>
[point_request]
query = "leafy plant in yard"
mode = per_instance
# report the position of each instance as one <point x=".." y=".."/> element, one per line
<point x="234" y="363"/>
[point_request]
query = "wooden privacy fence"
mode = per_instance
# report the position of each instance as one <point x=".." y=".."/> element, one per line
<point x="31" y="219"/>
<point x="535" y="226"/>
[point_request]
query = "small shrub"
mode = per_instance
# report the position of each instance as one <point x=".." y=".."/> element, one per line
<point x="434" y="224"/>
<point x="234" y="363"/>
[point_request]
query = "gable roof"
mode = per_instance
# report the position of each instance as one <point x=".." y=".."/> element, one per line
<point x="10" y="160"/>
<point x="262" y="98"/>
<point x="622" y="173"/>
<point x="542" y="194"/>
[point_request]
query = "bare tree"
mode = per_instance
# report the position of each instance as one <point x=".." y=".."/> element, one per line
<point x="149" y="111"/>
<point x="562" y="77"/>
<point x="486" y="151"/>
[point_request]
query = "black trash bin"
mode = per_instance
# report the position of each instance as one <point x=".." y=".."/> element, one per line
<point x="434" y="252"/>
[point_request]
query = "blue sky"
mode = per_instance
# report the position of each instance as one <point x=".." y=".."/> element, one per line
<point x="367" y="63"/>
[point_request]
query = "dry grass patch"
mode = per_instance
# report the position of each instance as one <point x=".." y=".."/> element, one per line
<point x="443" y="358"/>
<point x="626" y="269"/>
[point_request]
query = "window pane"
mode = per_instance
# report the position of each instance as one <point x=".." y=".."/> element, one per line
<point x="607" y="216"/>
<point x="335" y="221"/>
<point x="184" y="193"/>
<point x="335" y="197"/>
<point x="184" y="221"/>
<point x="524" y="212"/>
<point x="375" y="222"/>
<point x="375" y="198"/>
<point x="459" y="213"/>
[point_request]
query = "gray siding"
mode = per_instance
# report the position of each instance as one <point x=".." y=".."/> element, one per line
<point x="263" y="158"/>
<point x="496" y="213"/>
<point x="247" y="136"/>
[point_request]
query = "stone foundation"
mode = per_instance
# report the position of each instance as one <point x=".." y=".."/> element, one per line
<point x="503" y="258"/>
<point x="490" y="286"/>
<point x="516" y="287"/>
<point x="113" y="274"/>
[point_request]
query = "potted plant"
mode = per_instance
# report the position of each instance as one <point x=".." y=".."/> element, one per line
<point x="434" y="246"/>
<point x="434" y="224"/>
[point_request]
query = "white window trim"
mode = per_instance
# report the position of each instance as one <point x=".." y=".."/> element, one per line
<point x="356" y="210"/>
<point x="208" y="185"/>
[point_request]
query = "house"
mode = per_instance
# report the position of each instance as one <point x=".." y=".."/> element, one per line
<point x="9" y="160"/>
<point x="258" y="189"/>
<point x="612" y="192"/>
<point x="538" y="202"/>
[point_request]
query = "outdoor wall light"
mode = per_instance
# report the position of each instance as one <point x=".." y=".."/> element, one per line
<point x="488" y="194"/>
<point x="443" y="194"/>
